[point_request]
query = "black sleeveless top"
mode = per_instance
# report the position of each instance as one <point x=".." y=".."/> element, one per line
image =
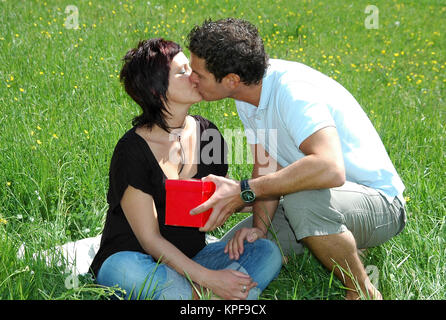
<point x="133" y="163"/>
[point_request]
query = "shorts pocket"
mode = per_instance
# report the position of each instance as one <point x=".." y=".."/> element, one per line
<point x="387" y="229"/>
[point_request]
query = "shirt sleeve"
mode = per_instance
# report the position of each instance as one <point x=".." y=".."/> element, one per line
<point x="128" y="167"/>
<point x="302" y="117"/>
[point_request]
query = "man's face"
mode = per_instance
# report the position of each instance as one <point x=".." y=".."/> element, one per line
<point x="208" y="87"/>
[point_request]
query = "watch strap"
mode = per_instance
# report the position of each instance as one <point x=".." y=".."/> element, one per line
<point x="244" y="185"/>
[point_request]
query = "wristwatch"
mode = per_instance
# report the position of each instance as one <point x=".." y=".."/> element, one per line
<point x="247" y="195"/>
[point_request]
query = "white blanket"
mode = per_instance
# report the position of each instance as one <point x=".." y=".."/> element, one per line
<point x="78" y="255"/>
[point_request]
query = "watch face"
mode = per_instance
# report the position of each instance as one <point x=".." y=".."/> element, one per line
<point x="248" y="196"/>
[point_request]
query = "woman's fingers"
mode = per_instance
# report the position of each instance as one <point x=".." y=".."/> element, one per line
<point x="235" y="246"/>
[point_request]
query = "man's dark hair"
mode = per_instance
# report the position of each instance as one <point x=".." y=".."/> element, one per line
<point x="230" y="46"/>
<point x="145" y="76"/>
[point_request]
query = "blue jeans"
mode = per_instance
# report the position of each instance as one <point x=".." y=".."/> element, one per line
<point x="143" y="278"/>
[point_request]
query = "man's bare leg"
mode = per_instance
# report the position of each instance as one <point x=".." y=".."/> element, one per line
<point x="341" y="248"/>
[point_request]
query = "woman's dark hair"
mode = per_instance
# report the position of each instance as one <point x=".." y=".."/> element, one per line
<point x="230" y="46"/>
<point x="145" y="76"/>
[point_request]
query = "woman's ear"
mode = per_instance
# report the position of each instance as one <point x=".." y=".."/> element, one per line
<point x="231" y="81"/>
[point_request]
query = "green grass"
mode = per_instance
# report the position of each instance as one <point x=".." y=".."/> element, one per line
<point x="63" y="110"/>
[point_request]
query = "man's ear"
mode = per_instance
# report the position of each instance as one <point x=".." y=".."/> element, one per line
<point x="231" y="81"/>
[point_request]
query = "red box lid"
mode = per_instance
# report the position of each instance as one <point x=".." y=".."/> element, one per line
<point x="184" y="195"/>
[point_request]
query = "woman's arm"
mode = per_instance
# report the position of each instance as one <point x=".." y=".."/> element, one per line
<point x="139" y="209"/>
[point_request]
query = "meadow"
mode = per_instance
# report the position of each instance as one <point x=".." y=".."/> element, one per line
<point x="63" y="110"/>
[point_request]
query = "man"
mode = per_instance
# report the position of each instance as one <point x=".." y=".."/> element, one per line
<point x="340" y="189"/>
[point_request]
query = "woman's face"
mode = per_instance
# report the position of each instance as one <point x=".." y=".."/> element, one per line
<point x="181" y="89"/>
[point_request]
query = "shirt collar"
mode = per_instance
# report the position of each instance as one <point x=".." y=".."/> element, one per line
<point x="265" y="94"/>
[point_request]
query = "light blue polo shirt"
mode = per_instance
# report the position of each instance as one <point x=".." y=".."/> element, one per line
<point x="295" y="102"/>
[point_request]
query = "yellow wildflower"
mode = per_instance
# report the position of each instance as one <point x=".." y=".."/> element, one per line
<point x="38" y="141"/>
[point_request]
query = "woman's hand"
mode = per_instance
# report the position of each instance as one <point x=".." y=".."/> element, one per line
<point x="230" y="284"/>
<point x="235" y="248"/>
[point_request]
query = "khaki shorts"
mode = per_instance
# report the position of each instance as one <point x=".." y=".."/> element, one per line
<point x="364" y="211"/>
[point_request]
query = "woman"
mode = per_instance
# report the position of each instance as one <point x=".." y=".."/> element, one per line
<point x="138" y="252"/>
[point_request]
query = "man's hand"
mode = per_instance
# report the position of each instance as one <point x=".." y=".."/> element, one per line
<point x="225" y="201"/>
<point x="235" y="247"/>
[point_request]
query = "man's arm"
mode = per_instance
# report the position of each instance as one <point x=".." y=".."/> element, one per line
<point x="321" y="167"/>
<point x="263" y="210"/>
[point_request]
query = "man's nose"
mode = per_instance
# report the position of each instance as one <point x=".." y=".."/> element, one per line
<point x="193" y="78"/>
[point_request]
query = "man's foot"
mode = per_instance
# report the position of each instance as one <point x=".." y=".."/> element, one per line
<point x="371" y="294"/>
<point x="338" y="253"/>
<point x="362" y="254"/>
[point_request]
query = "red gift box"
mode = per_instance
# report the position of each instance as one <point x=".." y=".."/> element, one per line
<point x="184" y="195"/>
